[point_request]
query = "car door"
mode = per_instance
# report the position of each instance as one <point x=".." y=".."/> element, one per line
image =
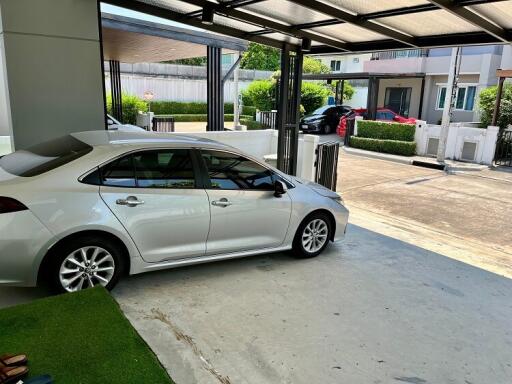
<point x="153" y="194"/>
<point x="245" y="214"/>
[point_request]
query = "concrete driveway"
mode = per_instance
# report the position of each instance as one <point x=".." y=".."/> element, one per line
<point x="371" y="310"/>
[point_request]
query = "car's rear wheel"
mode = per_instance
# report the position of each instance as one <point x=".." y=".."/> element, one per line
<point x="312" y="235"/>
<point x="85" y="262"/>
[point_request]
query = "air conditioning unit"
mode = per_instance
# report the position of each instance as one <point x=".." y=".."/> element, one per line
<point x="468" y="151"/>
<point x="432" y="145"/>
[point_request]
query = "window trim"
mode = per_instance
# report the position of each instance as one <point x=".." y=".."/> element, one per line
<point x="199" y="184"/>
<point x="466" y="86"/>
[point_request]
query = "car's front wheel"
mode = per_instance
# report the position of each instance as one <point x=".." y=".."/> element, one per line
<point x="85" y="262"/>
<point x="312" y="235"/>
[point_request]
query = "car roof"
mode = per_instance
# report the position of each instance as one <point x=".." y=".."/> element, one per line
<point x="104" y="137"/>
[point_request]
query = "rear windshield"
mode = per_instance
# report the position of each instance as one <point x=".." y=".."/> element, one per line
<point x="44" y="157"/>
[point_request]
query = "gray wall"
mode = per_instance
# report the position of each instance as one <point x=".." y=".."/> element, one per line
<point x="52" y="66"/>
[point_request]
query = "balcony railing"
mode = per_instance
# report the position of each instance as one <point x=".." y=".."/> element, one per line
<point x="390" y="55"/>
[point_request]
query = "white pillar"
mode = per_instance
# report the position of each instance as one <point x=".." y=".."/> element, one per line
<point x="451" y="88"/>
<point x="418" y="135"/>
<point x="308" y="157"/>
<point x="51" y="62"/>
<point x="491" y="137"/>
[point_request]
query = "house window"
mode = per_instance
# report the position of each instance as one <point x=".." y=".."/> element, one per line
<point x="335" y="65"/>
<point x="464" y="98"/>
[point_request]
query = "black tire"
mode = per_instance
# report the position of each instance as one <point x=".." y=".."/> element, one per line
<point x="298" y="248"/>
<point x="326" y="129"/>
<point x="57" y="256"/>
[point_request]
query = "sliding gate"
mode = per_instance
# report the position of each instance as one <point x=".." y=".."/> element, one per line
<point x="503" y="154"/>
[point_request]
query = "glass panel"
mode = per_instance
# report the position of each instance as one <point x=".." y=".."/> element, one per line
<point x="441" y="99"/>
<point x="461" y="95"/>
<point x="470" y="98"/>
<point x="44" y="157"/>
<point x="231" y="171"/>
<point x="164" y="169"/>
<point x="369" y="6"/>
<point x="119" y="173"/>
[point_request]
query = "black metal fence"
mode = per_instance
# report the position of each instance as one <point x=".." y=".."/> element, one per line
<point x="268" y="119"/>
<point x="327" y="164"/>
<point x="503" y="154"/>
<point x="163" y="123"/>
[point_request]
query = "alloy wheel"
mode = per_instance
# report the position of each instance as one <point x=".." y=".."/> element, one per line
<point x="314" y="235"/>
<point x="86" y="267"/>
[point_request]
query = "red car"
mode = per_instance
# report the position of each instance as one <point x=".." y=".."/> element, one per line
<point x="383" y="114"/>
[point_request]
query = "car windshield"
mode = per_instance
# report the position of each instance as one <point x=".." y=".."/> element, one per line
<point x="44" y="157"/>
<point x="321" y="110"/>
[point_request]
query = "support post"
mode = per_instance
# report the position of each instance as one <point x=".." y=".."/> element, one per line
<point x="449" y="100"/>
<point x="496" y="113"/>
<point x="115" y="90"/>
<point x="342" y="91"/>
<point x="373" y="96"/>
<point x="422" y="95"/>
<point x="288" y="111"/>
<point x="215" y="90"/>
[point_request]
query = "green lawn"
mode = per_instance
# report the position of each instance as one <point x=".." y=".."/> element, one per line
<point x="79" y="338"/>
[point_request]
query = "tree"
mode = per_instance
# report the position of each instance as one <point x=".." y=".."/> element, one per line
<point x="260" y="57"/>
<point x="315" y="66"/>
<point x="486" y="102"/>
<point x="348" y="90"/>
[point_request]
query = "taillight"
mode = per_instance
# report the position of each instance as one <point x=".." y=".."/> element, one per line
<point x="8" y="205"/>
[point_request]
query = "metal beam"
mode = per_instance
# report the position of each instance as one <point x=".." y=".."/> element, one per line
<point x="347" y="17"/>
<point x="214" y="90"/>
<point x="181" y="18"/>
<point x="269" y="24"/>
<point x="478" y="21"/>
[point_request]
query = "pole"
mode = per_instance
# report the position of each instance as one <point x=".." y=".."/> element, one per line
<point x="451" y="90"/>
<point x="236" y="120"/>
<point x="496" y="113"/>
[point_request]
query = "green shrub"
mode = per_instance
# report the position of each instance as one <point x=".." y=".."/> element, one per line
<point x="313" y="96"/>
<point x="385" y="131"/>
<point x="486" y="102"/>
<point x="195" y="108"/>
<point x="203" y="117"/>
<point x="131" y="105"/>
<point x="251" y="124"/>
<point x="395" y="147"/>
<point x="260" y="94"/>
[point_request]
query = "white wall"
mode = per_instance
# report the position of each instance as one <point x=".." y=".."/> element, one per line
<point x="172" y="88"/>
<point x="52" y="64"/>
<point x="5" y="145"/>
<point x="485" y="140"/>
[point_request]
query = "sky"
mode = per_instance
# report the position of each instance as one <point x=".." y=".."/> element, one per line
<point x="107" y="8"/>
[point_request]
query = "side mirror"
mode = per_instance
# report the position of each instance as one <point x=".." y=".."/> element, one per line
<point x="280" y="188"/>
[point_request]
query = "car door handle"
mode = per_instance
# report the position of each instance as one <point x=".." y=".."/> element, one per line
<point x="222" y="203"/>
<point x="130" y="201"/>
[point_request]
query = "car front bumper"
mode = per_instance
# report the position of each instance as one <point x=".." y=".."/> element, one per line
<point x="307" y="128"/>
<point x="23" y="239"/>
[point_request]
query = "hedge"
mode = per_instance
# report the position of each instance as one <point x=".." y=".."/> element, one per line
<point x="395" y="147"/>
<point x="385" y="131"/>
<point x="203" y="117"/>
<point x="251" y="124"/>
<point x="194" y="108"/>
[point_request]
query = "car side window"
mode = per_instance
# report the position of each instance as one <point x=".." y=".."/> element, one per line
<point x="235" y="172"/>
<point x="169" y="168"/>
<point x="164" y="169"/>
<point x="119" y="173"/>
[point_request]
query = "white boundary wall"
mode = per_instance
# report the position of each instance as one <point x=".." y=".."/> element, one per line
<point x="5" y="145"/>
<point x="484" y="139"/>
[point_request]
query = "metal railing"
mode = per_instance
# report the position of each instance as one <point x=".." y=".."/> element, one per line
<point x="390" y="55"/>
<point x="327" y="164"/>
<point x="503" y="154"/>
<point x="268" y="119"/>
<point x="163" y="123"/>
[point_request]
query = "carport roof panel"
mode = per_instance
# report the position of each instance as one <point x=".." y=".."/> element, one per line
<point x="346" y="25"/>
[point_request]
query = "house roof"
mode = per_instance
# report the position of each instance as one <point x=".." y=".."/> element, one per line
<point x="335" y="26"/>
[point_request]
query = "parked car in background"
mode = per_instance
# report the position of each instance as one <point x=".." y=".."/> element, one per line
<point x="383" y="114"/>
<point x="116" y="125"/>
<point x="324" y="119"/>
<point x="87" y="208"/>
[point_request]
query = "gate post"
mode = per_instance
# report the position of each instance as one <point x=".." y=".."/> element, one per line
<point x="215" y="90"/>
<point x="288" y="110"/>
<point x="115" y="90"/>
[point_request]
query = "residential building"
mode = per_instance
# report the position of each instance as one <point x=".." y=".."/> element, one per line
<point x="423" y="97"/>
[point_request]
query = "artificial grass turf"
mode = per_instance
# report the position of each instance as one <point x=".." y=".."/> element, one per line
<point x="79" y="338"/>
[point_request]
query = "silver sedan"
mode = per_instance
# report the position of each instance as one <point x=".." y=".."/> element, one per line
<point x="90" y="207"/>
